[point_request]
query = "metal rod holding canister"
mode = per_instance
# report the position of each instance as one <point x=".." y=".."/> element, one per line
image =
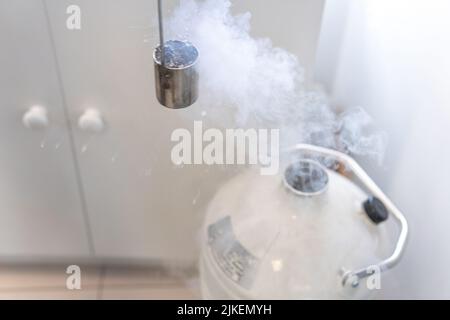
<point x="161" y="31"/>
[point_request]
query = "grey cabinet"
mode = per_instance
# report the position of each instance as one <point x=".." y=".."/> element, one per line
<point x="140" y="205"/>
<point x="40" y="211"/>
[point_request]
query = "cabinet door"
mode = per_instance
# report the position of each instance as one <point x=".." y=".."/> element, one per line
<point x="40" y="210"/>
<point x="140" y="205"/>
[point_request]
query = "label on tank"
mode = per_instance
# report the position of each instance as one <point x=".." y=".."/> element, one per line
<point x="235" y="261"/>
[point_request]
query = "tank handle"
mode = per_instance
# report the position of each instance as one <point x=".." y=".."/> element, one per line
<point x="353" y="277"/>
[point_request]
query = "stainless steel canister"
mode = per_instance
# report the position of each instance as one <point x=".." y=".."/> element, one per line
<point x="176" y="77"/>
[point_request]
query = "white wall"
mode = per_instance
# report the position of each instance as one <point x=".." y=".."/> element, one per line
<point x="293" y="25"/>
<point x="392" y="58"/>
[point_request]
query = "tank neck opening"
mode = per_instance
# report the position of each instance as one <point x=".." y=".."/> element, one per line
<point x="306" y="177"/>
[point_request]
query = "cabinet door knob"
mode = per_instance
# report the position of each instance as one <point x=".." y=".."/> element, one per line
<point x="91" y="121"/>
<point x="35" y="118"/>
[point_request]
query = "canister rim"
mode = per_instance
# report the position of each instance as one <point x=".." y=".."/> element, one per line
<point x="158" y="62"/>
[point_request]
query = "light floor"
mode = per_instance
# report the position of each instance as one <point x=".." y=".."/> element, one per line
<point x="49" y="282"/>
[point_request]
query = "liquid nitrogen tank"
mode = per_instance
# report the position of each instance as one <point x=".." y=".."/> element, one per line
<point x="306" y="233"/>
